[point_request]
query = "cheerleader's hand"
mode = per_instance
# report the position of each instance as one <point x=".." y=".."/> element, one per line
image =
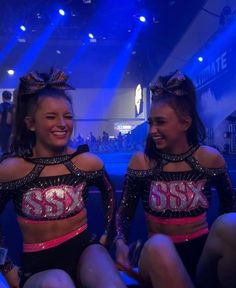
<point x="13" y="278"/>
<point x="104" y="239"/>
<point x="122" y="254"/>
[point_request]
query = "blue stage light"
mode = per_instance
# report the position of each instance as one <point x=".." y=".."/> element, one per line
<point x="61" y="12"/>
<point x="90" y="35"/>
<point x="23" y="28"/>
<point x="142" y="19"/>
<point x="200" y="59"/>
<point x="10" y="72"/>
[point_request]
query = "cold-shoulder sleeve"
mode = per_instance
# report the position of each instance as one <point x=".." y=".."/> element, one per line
<point x="222" y="182"/>
<point x="5" y="196"/>
<point x="101" y="180"/>
<point x="128" y="203"/>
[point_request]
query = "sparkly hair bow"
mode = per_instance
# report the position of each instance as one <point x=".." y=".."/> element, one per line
<point x="35" y="81"/>
<point x="172" y="85"/>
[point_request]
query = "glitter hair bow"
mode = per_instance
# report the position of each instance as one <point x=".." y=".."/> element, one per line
<point x="172" y="85"/>
<point x="35" y="81"/>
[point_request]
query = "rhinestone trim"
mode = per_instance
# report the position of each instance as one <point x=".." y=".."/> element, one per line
<point x="58" y="159"/>
<point x="177" y="157"/>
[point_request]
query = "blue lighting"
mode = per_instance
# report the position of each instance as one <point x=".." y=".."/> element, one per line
<point x="10" y="72"/>
<point x="23" y="28"/>
<point x="31" y="54"/>
<point x="142" y="19"/>
<point x="90" y="35"/>
<point x="121" y="62"/>
<point x="10" y="45"/>
<point x="200" y="59"/>
<point x="61" y="12"/>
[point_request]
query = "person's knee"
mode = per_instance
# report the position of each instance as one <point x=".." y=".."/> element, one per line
<point x="57" y="278"/>
<point x="157" y="242"/>
<point x="225" y="228"/>
<point x="94" y="249"/>
<point x="157" y="247"/>
<point x="225" y="220"/>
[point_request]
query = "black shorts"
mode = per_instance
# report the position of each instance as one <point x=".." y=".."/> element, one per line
<point x="190" y="252"/>
<point x="64" y="256"/>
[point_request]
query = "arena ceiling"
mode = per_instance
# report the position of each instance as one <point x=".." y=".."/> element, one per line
<point x="122" y="47"/>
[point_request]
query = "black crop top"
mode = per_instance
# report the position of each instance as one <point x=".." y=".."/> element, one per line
<point x="48" y="198"/>
<point x="172" y="194"/>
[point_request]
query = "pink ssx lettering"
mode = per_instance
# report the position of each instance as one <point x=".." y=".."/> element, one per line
<point x="177" y="195"/>
<point x="53" y="202"/>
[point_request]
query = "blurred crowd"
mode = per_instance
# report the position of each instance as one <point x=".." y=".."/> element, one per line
<point x="108" y="144"/>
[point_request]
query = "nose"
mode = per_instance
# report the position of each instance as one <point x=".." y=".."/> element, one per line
<point x="61" y="122"/>
<point x="153" y="129"/>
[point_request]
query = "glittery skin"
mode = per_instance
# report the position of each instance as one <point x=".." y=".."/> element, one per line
<point x="173" y="194"/>
<point x="42" y="198"/>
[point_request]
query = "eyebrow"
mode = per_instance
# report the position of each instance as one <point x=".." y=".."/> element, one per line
<point x="55" y="113"/>
<point x="156" y="118"/>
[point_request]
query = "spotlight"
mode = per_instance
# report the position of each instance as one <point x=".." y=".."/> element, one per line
<point x="61" y="12"/>
<point x="142" y="19"/>
<point x="200" y="59"/>
<point x="90" y="35"/>
<point x="23" y="28"/>
<point x="10" y="72"/>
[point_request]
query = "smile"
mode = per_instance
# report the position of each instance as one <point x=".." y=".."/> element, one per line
<point x="156" y="138"/>
<point x="59" y="133"/>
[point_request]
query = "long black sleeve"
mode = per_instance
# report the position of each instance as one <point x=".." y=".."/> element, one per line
<point x="103" y="183"/>
<point x="127" y="207"/>
<point x="223" y="185"/>
<point x="5" y="196"/>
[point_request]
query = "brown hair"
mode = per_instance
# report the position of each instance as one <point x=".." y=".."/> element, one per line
<point x="178" y="91"/>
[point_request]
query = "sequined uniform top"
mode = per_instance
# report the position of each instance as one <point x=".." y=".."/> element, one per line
<point x="172" y="195"/>
<point x="48" y="198"/>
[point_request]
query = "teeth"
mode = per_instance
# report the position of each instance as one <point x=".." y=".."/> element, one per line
<point x="157" y="138"/>
<point x="59" y="133"/>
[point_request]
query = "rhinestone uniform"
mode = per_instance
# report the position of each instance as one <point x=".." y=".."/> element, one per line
<point x="75" y="179"/>
<point x="139" y="184"/>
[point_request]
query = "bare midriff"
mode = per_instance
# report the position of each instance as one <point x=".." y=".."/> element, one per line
<point x="177" y="229"/>
<point x="39" y="231"/>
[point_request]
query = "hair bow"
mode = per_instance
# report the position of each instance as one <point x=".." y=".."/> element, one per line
<point x="172" y="85"/>
<point x="35" y="81"/>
